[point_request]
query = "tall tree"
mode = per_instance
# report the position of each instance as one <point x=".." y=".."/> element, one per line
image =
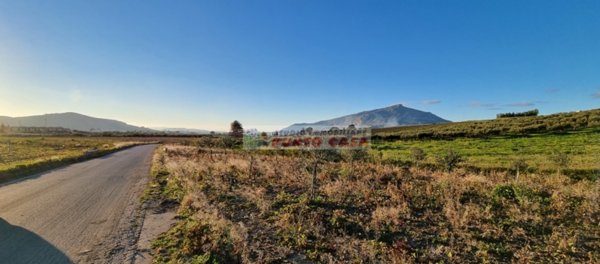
<point x="237" y="131"/>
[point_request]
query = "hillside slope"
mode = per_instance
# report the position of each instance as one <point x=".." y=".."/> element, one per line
<point x="392" y="116"/>
<point x="559" y="122"/>
<point x="72" y="121"/>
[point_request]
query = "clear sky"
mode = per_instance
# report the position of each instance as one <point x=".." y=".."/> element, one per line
<point x="202" y="64"/>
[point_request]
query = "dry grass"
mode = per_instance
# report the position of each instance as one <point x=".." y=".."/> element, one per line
<point x="369" y="213"/>
<point x="26" y="155"/>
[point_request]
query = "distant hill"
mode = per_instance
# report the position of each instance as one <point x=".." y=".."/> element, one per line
<point x="392" y="116"/>
<point x="73" y="121"/>
<point x="182" y="130"/>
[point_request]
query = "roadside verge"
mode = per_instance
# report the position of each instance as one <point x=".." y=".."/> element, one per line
<point x="23" y="171"/>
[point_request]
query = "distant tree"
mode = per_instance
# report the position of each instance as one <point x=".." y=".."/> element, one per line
<point x="450" y="160"/>
<point x="418" y="155"/>
<point x="236" y="131"/>
<point x="533" y="112"/>
<point x="519" y="165"/>
<point x="2" y="128"/>
<point x="351" y="127"/>
<point x="561" y="160"/>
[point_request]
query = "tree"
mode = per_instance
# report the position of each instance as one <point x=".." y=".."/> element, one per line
<point x="236" y="131"/>
<point x="418" y="155"/>
<point x="533" y="112"/>
<point x="2" y="128"/>
<point x="450" y="160"/>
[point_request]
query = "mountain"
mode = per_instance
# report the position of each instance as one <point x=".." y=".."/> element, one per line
<point x="392" y="116"/>
<point x="73" y="121"/>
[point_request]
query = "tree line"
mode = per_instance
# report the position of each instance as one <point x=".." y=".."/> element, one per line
<point x="533" y="112"/>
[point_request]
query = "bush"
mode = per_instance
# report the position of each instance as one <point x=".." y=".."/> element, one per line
<point x="450" y="160"/>
<point x="561" y="160"/>
<point x="519" y="165"/>
<point x="418" y="155"/>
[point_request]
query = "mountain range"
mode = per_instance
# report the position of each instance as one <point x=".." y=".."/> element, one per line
<point x="73" y="121"/>
<point x="392" y="116"/>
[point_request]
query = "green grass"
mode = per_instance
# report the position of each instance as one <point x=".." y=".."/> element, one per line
<point x="500" y="151"/>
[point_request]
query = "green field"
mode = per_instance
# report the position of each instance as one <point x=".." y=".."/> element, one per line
<point x="496" y="144"/>
<point x="582" y="147"/>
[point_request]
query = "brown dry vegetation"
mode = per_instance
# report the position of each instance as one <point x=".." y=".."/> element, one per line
<point x="366" y="212"/>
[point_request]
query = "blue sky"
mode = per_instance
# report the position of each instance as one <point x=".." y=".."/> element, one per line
<point x="202" y="64"/>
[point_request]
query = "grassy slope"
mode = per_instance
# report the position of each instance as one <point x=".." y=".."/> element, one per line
<point x="517" y="126"/>
<point x="495" y="144"/>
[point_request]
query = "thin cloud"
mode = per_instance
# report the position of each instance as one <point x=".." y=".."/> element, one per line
<point x="526" y="104"/>
<point x="521" y="104"/>
<point x="477" y="104"/>
<point x="486" y="106"/>
<point x="552" y="90"/>
<point x="596" y="95"/>
<point x="431" y="102"/>
<point x="495" y="108"/>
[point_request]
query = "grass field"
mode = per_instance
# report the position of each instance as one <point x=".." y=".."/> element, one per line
<point x="583" y="148"/>
<point x="495" y="145"/>
<point x="247" y="207"/>
<point x="23" y="155"/>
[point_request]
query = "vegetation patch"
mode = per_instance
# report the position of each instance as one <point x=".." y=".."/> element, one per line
<point x="24" y="156"/>
<point x="245" y="207"/>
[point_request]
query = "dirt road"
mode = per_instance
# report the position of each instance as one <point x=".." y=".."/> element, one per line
<point x="83" y="213"/>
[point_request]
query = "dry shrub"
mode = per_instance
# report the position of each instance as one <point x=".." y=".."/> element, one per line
<point x="368" y="212"/>
<point x="388" y="217"/>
